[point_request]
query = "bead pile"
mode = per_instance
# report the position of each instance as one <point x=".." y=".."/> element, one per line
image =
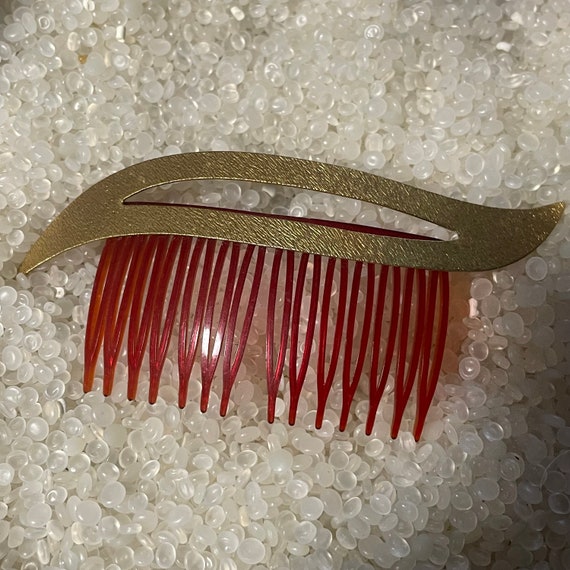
<point x="469" y="100"/>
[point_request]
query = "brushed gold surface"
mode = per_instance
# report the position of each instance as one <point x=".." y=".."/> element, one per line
<point x="487" y="237"/>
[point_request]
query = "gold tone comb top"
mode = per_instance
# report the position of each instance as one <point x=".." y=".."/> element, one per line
<point x="101" y="212"/>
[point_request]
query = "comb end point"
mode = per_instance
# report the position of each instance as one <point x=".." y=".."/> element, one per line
<point x="204" y="399"/>
<point x="418" y="428"/>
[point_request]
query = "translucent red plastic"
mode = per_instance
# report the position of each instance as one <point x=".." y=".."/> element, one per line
<point x="343" y="321"/>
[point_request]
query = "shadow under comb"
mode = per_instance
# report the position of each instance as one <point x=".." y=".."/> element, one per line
<point x="188" y="266"/>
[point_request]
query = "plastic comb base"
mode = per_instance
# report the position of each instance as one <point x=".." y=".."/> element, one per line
<point x="344" y="320"/>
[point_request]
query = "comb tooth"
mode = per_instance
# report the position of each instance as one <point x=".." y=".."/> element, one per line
<point x="231" y="368"/>
<point x="139" y="322"/>
<point x="350" y="380"/>
<point x="115" y="319"/>
<point x="378" y="326"/>
<point x="211" y="357"/>
<point x="427" y="344"/>
<point x="160" y="291"/>
<point x="275" y="366"/>
<point x="187" y="344"/>
<point x="430" y="381"/>
<point x="159" y="343"/>
<point x="325" y="378"/>
<point x="135" y="285"/>
<point x="97" y="312"/>
<point x="297" y="377"/>
<point x="377" y="388"/>
<point x="403" y="385"/>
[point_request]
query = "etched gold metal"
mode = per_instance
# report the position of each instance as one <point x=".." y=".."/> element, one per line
<point x="487" y="237"/>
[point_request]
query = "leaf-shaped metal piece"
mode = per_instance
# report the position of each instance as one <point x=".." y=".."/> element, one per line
<point x="487" y="237"/>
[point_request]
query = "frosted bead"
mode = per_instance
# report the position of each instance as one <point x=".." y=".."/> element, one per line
<point x="311" y="508"/>
<point x="12" y="357"/>
<point x="464" y="521"/>
<point x="305" y="533"/>
<point x="555" y="482"/>
<point x="143" y="556"/>
<point x="39" y="515"/>
<point x="280" y="460"/>
<point x="211" y="431"/>
<point x="8" y="296"/>
<point x="511" y="468"/>
<point x="152" y="91"/>
<point x="215" y="516"/>
<point x="158" y="46"/>
<point x="536" y="268"/>
<point x="324" y="474"/>
<point x="481" y="288"/>
<point x="461" y="500"/>
<point x="475" y="397"/>
<point x="559" y="503"/>
<point x="345" y="538"/>
<point x="142" y="145"/>
<point x="338" y="460"/>
<point x="444" y="117"/>
<point x="358" y="528"/>
<point x="332" y="502"/>
<point x="37" y="429"/>
<point x="423" y="170"/>
<point x="469" y="368"/>
<point x="513" y="324"/>
<point x="228" y="542"/>
<point x="407" y="511"/>
<point x="115" y="435"/>
<point x="6" y="474"/>
<point x="352" y="507"/>
<point x="112" y="494"/>
<point x="474" y="164"/>
<point x="371" y="547"/>
<point x="399" y="547"/>
<point x="103" y="415"/>
<point x="471" y="443"/>
<point x="88" y="513"/>
<point x="150" y="469"/>
<point x="492" y="431"/>
<point x="479" y="350"/>
<point x="95" y="64"/>
<point x="345" y="480"/>
<point x="486" y="489"/>
<point x="165" y="555"/>
<point x="55" y="390"/>
<point x="529" y="493"/>
<point x="203" y="461"/>
<point x="251" y="551"/>
<point x="528" y="141"/>
<point x="373" y="448"/>
<point x="14" y="32"/>
<point x="297" y="489"/>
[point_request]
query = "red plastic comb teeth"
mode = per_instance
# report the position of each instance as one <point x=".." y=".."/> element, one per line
<point x="386" y="320"/>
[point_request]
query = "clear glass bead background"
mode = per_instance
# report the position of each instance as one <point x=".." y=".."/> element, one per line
<point x="468" y="100"/>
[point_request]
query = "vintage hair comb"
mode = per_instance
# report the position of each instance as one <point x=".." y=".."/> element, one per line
<point x="166" y="264"/>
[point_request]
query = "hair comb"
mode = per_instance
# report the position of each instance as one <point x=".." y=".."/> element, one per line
<point x="204" y="270"/>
